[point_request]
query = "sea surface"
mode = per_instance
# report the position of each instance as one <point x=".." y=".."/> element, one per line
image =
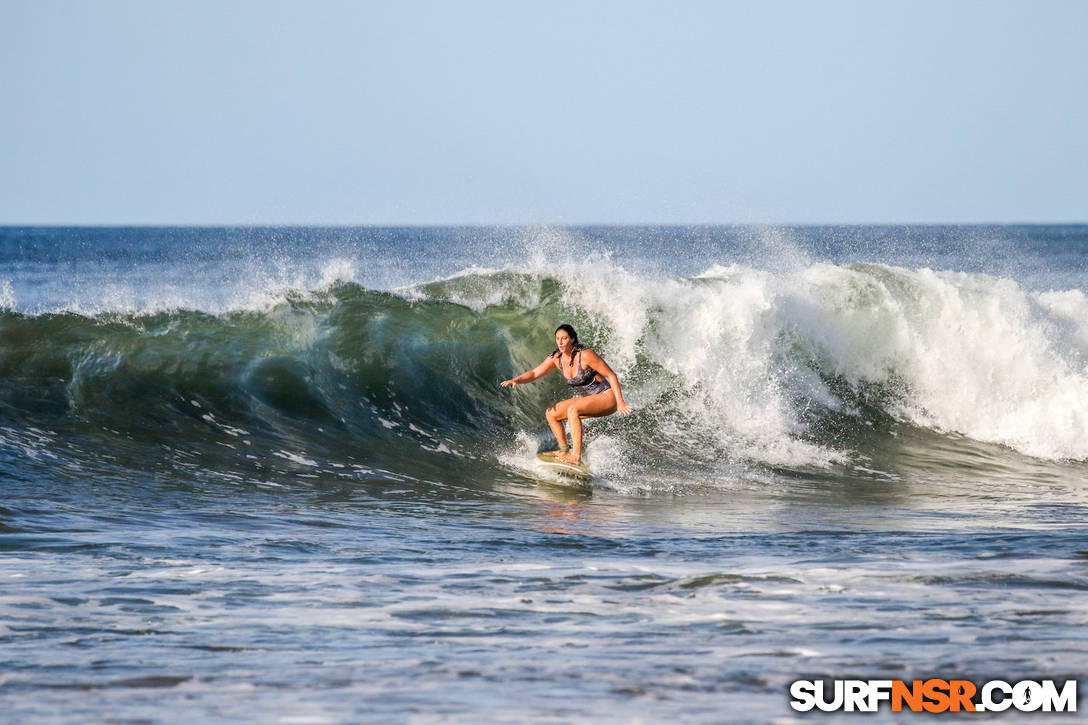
<point x="268" y="474"/>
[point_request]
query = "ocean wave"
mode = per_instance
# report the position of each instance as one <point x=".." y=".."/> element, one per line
<point x="786" y="369"/>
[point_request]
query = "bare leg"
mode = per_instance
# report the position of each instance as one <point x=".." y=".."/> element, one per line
<point x="591" y="406"/>
<point x="556" y="424"/>
<point x="575" y="422"/>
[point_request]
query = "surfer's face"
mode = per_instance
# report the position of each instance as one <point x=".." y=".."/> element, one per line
<point x="562" y="340"/>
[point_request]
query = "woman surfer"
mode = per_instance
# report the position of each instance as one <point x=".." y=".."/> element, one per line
<point x="597" y="386"/>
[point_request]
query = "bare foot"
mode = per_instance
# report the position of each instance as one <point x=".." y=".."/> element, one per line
<point x="568" y="458"/>
<point x="551" y="454"/>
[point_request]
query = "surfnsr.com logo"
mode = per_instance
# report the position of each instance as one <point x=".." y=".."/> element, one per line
<point x="933" y="695"/>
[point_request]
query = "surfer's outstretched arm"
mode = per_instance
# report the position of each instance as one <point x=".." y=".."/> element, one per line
<point x="527" y="377"/>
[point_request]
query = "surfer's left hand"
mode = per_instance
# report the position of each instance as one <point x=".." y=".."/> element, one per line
<point x="623" y="409"/>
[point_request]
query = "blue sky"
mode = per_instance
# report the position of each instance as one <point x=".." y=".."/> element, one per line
<point x="546" y="112"/>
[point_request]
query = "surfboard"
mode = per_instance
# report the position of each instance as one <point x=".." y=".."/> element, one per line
<point x="579" y="471"/>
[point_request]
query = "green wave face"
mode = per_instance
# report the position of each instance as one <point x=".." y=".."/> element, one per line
<point x="346" y="376"/>
<point x="821" y="367"/>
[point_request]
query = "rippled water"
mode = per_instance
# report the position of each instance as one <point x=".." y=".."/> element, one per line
<point x="511" y="600"/>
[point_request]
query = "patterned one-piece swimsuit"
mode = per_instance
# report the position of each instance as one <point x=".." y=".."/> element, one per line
<point x="583" y="380"/>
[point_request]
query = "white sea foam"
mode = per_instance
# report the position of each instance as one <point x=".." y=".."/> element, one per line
<point x="718" y="337"/>
<point x="7" y="295"/>
<point x="753" y="351"/>
<point x="520" y="454"/>
<point x="971" y="354"/>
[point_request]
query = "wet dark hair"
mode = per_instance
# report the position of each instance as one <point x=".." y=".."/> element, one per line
<point x="573" y="337"/>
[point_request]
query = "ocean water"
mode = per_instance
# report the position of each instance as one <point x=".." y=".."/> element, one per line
<point x="269" y="475"/>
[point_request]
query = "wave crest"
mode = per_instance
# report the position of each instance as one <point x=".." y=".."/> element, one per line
<point x="781" y="369"/>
